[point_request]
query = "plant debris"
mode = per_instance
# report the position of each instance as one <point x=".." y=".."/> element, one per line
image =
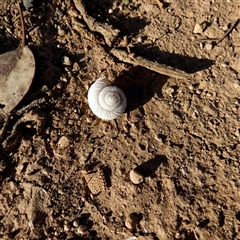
<point x="17" y="70"/>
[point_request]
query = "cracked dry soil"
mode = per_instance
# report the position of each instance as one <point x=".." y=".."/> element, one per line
<point x="182" y="135"/>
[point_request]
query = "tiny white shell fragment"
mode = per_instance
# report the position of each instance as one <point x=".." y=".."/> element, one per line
<point x="106" y="102"/>
<point x="132" y="238"/>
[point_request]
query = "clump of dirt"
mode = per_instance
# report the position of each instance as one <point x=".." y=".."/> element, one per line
<point x="65" y="173"/>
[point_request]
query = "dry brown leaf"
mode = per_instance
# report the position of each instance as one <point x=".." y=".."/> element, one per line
<point x="17" y="70"/>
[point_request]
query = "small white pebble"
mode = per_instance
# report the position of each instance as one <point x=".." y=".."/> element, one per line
<point x="110" y="11"/>
<point x="132" y="238"/>
<point x="197" y="229"/>
<point x="190" y="87"/>
<point x="197" y="28"/>
<point x="139" y="39"/>
<point x="66" y="61"/>
<point x="66" y="227"/>
<point x="169" y="91"/>
<point x="208" y="46"/>
<point x="76" y="223"/>
<point x="224" y="65"/>
<point x="136" y="177"/>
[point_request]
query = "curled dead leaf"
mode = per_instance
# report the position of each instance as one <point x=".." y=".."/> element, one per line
<point x="17" y="70"/>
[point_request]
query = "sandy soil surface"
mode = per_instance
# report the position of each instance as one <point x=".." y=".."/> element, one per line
<point x="65" y="173"/>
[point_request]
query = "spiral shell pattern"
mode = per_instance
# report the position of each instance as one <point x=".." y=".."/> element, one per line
<point x="106" y="102"/>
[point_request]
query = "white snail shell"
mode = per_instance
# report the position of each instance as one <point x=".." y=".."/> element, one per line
<point x="106" y="102"/>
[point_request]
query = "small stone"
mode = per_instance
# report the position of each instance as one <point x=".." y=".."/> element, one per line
<point x="184" y="170"/>
<point x="139" y="39"/>
<point x="64" y="142"/>
<point x="70" y="122"/>
<point x="225" y="27"/>
<point x="66" y="227"/>
<point x="197" y="229"/>
<point x="82" y="229"/>
<point x="169" y="91"/>
<point x="75" y="67"/>
<point x="66" y="61"/>
<point x="28" y="3"/>
<point x="190" y="87"/>
<point x="61" y="32"/>
<point x="76" y="223"/>
<point x="110" y="11"/>
<point x="59" y="12"/>
<point x="131" y="221"/>
<point x="197" y="28"/>
<point x="208" y="46"/>
<point x="136" y="177"/>
<point x="132" y="238"/>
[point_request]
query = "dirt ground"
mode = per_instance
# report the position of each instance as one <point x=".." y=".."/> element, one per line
<point x="181" y="134"/>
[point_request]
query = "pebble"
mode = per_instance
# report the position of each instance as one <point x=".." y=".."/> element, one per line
<point x="61" y="32"/>
<point x="208" y="46"/>
<point x="28" y="3"/>
<point x="197" y="28"/>
<point x="64" y="142"/>
<point x="66" y="227"/>
<point x="75" y="67"/>
<point x="184" y="170"/>
<point x="132" y="238"/>
<point x="139" y="39"/>
<point x="169" y="91"/>
<point x="66" y="61"/>
<point x="76" y="223"/>
<point x="82" y="229"/>
<point x="136" y="177"/>
<point x="59" y="13"/>
<point x="131" y="221"/>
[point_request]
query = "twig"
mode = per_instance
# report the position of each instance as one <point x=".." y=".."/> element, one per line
<point x="160" y="4"/>
<point x="23" y="26"/>
<point x="111" y="34"/>
<point x="218" y="40"/>
<point x="4" y="128"/>
<point x="30" y="106"/>
<point x="154" y="66"/>
<point x="108" y="32"/>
